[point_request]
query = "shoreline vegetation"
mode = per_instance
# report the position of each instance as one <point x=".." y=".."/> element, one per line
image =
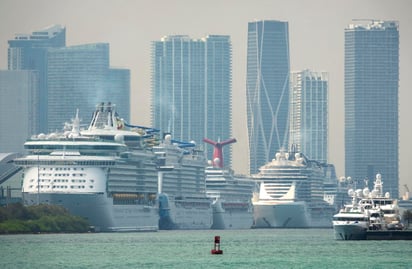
<point x="18" y="219"/>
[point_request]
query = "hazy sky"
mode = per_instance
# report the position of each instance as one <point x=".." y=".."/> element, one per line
<point x="316" y="32"/>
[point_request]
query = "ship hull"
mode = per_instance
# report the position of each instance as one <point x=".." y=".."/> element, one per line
<point x="349" y="232"/>
<point x="281" y="215"/>
<point x="192" y="218"/>
<point x="225" y="217"/>
<point x="184" y="214"/>
<point x="100" y="212"/>
<point x="321" y="217"/>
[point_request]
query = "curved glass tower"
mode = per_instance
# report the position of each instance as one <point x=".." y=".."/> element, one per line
<point x="267" y="90"/>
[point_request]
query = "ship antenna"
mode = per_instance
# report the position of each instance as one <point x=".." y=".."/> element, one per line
<point x="293" y="148"/>
<point x="169" y="126"/>
<point x="76" y="124"/>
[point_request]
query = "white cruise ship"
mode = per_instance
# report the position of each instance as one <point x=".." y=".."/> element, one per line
<point x="231" y="194"/>
<point x="109" y="175"/>
<point x="183" y="203"/>
<point x="291" y="194"/>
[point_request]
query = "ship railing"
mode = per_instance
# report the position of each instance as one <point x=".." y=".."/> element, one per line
<point x="213" y="194"/>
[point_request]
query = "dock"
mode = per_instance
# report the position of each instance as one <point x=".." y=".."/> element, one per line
<point x="133" y="229"/>
<point x="389" y="235"/>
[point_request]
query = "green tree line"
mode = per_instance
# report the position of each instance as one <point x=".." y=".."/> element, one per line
<point x="43" y="218"/>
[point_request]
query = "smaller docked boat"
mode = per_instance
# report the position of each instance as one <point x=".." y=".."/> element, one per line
<point x="351" y="222"/>
<point x="369" y="210"/>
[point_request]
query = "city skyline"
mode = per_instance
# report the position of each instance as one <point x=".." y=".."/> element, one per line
<point x="86" y="71"/>
<point x="62" y="80"/>
<point x="316" y="42"/>
<point x="27" y="51"/>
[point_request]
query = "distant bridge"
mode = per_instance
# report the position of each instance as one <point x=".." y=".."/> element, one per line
<point x="7" y="167"/>
<point x="7" y="170"/>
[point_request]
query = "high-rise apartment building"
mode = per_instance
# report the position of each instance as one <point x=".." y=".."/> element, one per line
<point x="267" y="90"/>
<point x="371" y="102"/>
<point x="29" y="52"/>
<point x="80" y="77"/>
<point x="192" y="88"/>
<point x="18" y="108"/>
<point x="68" y="78"/>
<point x="309" y="114"/>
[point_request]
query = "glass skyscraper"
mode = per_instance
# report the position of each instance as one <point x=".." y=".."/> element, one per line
<point x="218" y="123"/>
<point x="371" y="102"/>
<point x="80" y="77"/>
<point x="267" y="90"/>
<point x="29" y="52"/>
<point x="192" y="88"/>
<point x="18" y="108"/>
<point x="309" y="114"/>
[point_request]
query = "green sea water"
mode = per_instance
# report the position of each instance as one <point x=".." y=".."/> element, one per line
<point x="257" y="248"/>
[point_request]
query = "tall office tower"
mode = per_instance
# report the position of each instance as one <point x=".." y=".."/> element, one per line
<point x="371" y="102"/>
<point x="28" y="52"/>
<point x="267" y="90"/>
<point x="18" y="108"/>
<point x="191" y="88"/>
<point x="309" y="114"/>
<point x="218" y="123"/>
<point x="80" y="77"/>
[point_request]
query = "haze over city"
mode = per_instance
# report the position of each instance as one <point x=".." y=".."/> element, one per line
<point x="316" y="36"/>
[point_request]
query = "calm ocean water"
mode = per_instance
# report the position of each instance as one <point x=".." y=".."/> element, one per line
<point x="261" y="248"/>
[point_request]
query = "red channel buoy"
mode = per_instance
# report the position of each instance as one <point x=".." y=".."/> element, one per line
<point x="217" y="249"/>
